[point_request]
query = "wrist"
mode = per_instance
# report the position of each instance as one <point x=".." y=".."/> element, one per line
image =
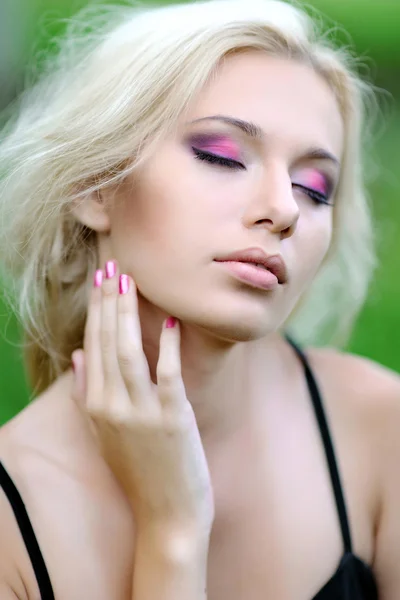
<point x="170" y="563"/>
<point x="176" y="542"/>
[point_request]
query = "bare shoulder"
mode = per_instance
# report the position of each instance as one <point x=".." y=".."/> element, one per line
<point x="361" y="382"/>
<point x="364" y="396"/>
<point x="371" y="393"/>
<point x="363" y="399"/>
<point x="14" y="570"/>
<point x="28" y="452"/>
<point x="67" y="488"/>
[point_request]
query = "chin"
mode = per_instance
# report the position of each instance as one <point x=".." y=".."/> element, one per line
<point x="232" y="327"/>
<point x="230" y="317"/>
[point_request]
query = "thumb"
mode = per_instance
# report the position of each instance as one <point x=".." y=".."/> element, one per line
<point x="79" y="381"/>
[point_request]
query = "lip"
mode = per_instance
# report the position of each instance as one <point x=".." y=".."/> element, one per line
<point x="248" y="273"/>
<point x="272" y="263"/>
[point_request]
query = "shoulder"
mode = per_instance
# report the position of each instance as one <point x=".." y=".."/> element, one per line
<point x="359" y="379"/>
<point x="363" y="395"/>
<point x="366" y="394"/>
<point x="15" y="580"/>
<point x="23" y="449"/>
<point x="67" y="488"/>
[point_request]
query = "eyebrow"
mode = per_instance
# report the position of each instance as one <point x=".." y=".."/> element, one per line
<point x="254" y="131"/>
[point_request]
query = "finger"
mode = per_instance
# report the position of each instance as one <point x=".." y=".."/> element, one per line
<point x="109" y="288"/>
<point x="79" y="380"/>
<point x="92" y="348"/>
<point x="79" y="391"/>
<point x="132" y="361"/>
<point x="171" y="390"/>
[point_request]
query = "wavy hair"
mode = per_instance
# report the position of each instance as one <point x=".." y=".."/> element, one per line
<point x="121" y="78"/>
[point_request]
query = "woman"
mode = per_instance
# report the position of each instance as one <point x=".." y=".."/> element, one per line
<point x="181" y="188"/>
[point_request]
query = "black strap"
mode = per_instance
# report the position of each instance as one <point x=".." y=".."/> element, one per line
<point x="25" y="526"/>
<point x="328" y="445"/>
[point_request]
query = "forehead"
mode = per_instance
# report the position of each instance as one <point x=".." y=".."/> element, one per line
<point x="289" y="100"/>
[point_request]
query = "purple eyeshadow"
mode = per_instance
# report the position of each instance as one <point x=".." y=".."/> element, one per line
<point x="220" y="145"/>
<point x="225" y="147"/>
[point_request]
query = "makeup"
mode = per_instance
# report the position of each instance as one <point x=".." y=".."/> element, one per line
<point x="217" y="144"/>
<point x="98" y="278"/>
<point x="314" y="183"/>
<point x="315" y="180"/>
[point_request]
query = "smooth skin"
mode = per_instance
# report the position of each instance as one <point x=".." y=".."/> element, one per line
<point x="136" y="421"/>
<point x="148" y="435"/>
<point x="273" y="504"/>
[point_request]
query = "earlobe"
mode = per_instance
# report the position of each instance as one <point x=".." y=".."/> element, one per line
<point x="91" y="211"/>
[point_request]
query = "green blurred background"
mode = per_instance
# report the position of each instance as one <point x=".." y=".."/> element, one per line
<point x="372" y="27"/>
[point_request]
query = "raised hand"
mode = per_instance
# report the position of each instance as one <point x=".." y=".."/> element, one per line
<point x="148" y="433"/>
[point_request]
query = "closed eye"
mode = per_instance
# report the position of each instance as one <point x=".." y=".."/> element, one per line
<point x="218" y="160"/>
<point x="318" y="197"/>
<point x="234" y="165"/>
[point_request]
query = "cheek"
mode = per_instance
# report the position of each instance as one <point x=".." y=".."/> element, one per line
<point x="138" y="229"/>
<point x="158" y="217"/>
<point x="146" y="209"/>
<point x="314" y="237"/>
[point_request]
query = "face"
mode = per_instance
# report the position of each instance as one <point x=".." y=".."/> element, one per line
<point x="212" y="189"/>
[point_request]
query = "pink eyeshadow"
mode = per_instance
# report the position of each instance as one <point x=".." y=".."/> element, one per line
<point x="315" y="180"/>
<point x="218" y="145"/>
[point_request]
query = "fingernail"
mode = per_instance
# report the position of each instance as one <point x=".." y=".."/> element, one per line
<point x="110" y="269"/>
<point x="171" y="321"/>
<point x="123" y="284"/>
<point x="98" y="278"/>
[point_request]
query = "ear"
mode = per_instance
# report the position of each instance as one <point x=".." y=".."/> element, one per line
<point x="92" y="212"/>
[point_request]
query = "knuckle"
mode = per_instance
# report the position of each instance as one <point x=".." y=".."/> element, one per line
<point x="118" y="418"/>
<point x="109" y="289"/>
<point x="107" y="339"/>
<point x="167" y="380"/>
<point x="125" y="362"/>
<point x="128" y="354"/>
<point x="97" y="412"/>
<point x="168" y="371"/>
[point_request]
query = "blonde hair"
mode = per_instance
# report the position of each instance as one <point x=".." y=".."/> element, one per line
<point x="119" y="83"/>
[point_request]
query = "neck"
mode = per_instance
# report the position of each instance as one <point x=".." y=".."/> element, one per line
<point x="223" y="380"/>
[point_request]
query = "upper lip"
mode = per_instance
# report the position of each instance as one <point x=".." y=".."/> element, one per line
<point x="273" y="263"/>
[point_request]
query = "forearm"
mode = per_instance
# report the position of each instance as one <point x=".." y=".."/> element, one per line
<point x="170" y="567"/>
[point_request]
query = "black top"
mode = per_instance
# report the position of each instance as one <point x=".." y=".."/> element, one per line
<point x="353" y="579"/>
<point x="25" y="526"/>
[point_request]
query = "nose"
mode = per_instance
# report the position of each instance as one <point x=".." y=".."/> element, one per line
<point x="272" y="204"/>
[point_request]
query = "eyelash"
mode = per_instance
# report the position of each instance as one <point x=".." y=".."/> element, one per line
<point x="220" y="160"/>
<point x="314" y="195"/>
<point x="317" y="197"/>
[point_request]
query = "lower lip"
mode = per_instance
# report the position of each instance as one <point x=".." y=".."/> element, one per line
<point x="249" y="273"/>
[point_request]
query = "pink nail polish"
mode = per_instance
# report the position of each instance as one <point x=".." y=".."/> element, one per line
<point x="171" y="321"/>
<point x="110" y="269"/>
<point x="123" y="284"/>
<point x="98" y="278"/>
